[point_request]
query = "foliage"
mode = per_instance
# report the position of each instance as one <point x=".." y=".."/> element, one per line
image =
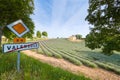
<point x="44" y="33"/>
<point x="12" y="10"/>
<point x="38" y="34"/>
<point x="31" y="69"/>
<point x="104" y="16"/>
<point x="78" y="36"/>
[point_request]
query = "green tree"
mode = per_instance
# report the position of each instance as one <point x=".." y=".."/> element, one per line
<point x="38" y="34"/>
<point x="104" y="15"/>
<point x="78" y="36"/>
<point x="12" y="10"/>
<point x="45" y="34"/>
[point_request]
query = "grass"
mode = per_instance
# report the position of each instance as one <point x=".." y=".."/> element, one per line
<point x="32" y="70"/>
<point x="79" y="52"/>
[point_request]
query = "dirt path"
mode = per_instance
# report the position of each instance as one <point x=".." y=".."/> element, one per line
<point x="95" y="74"/>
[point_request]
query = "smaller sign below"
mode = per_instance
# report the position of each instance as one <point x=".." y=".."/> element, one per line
<point x="18" y="27"/>
<point x="19" y="40"/>
<point x="19" y="47"/>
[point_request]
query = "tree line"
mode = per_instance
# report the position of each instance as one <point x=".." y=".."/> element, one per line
<point x="39" y="34"/>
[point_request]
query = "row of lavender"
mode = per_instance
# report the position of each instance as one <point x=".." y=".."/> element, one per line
<point x="78" y="54"/>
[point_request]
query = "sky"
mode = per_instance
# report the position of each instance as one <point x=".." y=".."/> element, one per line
<point x="61" y="18"/>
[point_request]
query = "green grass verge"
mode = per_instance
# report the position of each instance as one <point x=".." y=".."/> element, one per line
<point x="32" y="70"/>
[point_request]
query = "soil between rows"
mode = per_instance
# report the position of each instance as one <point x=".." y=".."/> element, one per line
<point x="93" y="73"/>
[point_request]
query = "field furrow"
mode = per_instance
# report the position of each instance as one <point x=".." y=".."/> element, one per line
<point x="77" y="53"/>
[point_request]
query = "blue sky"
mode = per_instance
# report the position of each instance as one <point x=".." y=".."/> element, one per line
<point x="61" y="18"/>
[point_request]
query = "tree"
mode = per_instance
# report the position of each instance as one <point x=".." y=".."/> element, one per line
<point x="104" y="15"/>
<point x="44" y="33"/>
<point x="78" y="36"/>
<point x="38" y="34"/>
<point x="12" y="10"/>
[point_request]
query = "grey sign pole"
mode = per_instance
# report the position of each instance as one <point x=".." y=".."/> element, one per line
<point x="18" y="61"/>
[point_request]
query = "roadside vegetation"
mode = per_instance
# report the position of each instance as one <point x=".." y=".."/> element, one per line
<point x="32" y="69"/>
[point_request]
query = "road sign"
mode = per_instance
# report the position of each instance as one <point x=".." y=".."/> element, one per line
<point x="18" y="47"/>
<point x="18" y="27"/>
<point x="19" y="40"/>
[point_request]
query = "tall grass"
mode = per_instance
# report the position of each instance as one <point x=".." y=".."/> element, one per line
<point x="31" y="69"/>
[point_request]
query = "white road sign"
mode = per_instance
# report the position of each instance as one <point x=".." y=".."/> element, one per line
<point x="18" y="47"/>
<point x="18" y="27"/>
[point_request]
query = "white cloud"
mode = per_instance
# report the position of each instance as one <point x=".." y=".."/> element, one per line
<point x="58" y="11"/>
<point x="67" y="17"/>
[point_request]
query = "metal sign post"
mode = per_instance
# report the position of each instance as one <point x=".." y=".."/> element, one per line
<point x="19" y="28"/>
<point x="18" y="61"/>
<point x="18" y="48"/>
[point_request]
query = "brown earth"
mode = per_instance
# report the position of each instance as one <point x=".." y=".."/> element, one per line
<point x="76" y="40"/>
<point x="93" y="73"/>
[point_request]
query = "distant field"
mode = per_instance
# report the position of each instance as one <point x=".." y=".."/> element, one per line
<point x="78" y="54"/>
<point x="32" y="69"/>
